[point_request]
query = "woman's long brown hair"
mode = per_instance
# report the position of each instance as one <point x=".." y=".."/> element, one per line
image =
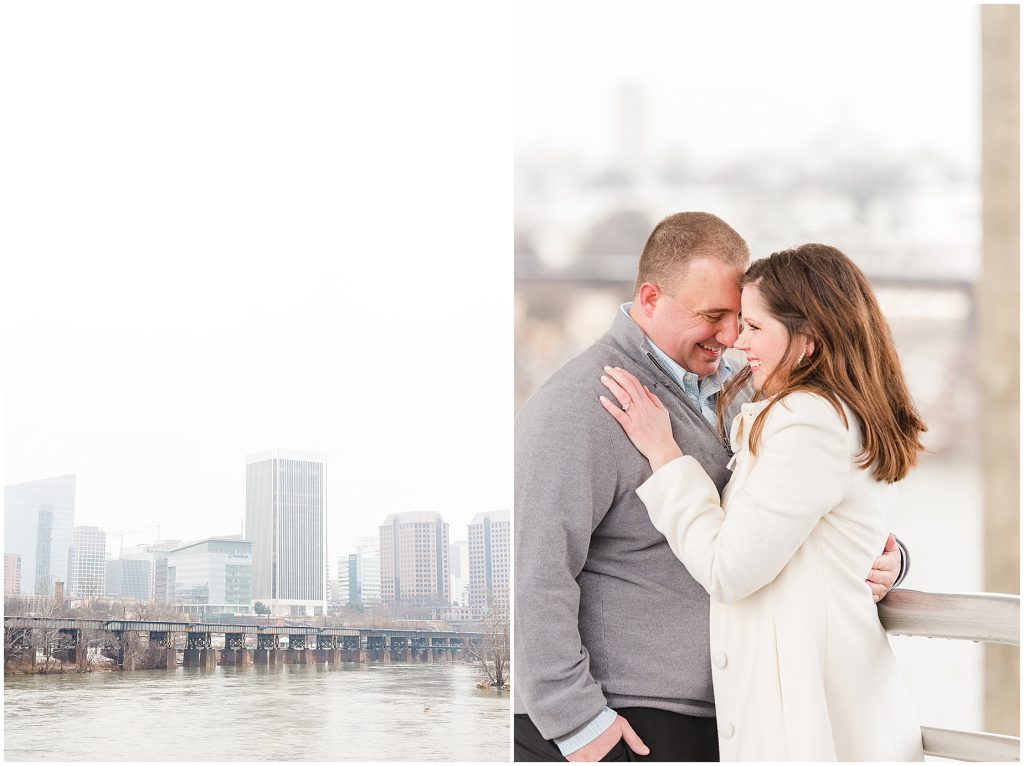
<point x="816" y="291"/>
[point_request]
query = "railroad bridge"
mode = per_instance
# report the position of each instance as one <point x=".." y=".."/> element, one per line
<point x="242" y="644"/>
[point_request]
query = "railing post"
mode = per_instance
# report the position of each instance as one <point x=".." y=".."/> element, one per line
<point x="999" y="341"/>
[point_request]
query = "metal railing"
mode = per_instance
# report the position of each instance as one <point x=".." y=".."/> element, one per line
<point x="989" y="617"/>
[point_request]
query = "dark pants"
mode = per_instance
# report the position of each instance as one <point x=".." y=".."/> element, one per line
<point x="670" y="736"/>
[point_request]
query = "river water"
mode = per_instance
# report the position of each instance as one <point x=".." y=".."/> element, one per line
<point x="286" y="713"/>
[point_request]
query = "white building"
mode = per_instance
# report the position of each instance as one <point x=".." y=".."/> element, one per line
<point x="38" y="520"/>
<point x="341" y="593"/>
<point x="212" y="575"/>
<point x="286" y="520"/>
<point x="414" y="560"/>
<point x="490" y="546"/>
<point x="87" y="563"/>
<point x="459" y="563"/>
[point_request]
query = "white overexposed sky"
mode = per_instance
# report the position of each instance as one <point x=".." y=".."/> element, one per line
<point x="233" y="226"/>
<point x="729" y="80"/>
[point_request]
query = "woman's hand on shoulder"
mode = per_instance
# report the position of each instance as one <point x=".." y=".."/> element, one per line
<point x="642" y="416"/>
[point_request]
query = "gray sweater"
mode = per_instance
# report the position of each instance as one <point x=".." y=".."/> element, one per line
<point x="604" y="611"/>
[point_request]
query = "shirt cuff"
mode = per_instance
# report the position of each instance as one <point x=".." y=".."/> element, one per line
<point x="587" y="733"/>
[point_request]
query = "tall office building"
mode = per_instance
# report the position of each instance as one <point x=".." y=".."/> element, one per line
<point x="414" y="560"/>
<point x="490" y="545"/>
<point x="87" y="563"/>
<point x="38" y="520"/>
<point x="459" y="558"/>
<point x="12" y="574"/>
<point x="212" y="575"/>
<point x="129" y="578"/>
<point x="286" y="520"/>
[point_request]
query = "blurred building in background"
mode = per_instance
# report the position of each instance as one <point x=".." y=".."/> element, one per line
<point x="211" y="576"/>
<point x="414" y="568"/>
<point x="129" y="578"/>
<point x="490" y="552"/>
<point x="12" y="574"/>
<point x="459" y="558"/>
<point x="87" y="563"/>
<point x="38" y="520"/>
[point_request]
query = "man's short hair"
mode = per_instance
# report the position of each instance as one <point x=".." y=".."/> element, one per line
<point x="681" y="238"/>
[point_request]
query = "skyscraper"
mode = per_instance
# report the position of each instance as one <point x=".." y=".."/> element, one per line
<point x="414" y="560"/>
<point x="286" y="520"/>
<point x="87" y="563"/>
<point x="38" y="520"/>
<point x="490" y="545"/>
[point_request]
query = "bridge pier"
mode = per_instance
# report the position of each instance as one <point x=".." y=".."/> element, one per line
<point x="320" y="655"/>
<point x="259" y="656"/>
<point x="207" y="658"/>
<point x="192" y="657"/>
<point x="171" y="660"/>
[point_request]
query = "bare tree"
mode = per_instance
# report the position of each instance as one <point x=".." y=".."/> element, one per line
<point x="18" y="647"/>
<point x="494" y="651"/>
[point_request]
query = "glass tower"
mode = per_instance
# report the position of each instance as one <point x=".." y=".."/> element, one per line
<point x="39" y="517"/>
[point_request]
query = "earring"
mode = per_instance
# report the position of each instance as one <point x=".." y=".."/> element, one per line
<point x="800" y="359"/>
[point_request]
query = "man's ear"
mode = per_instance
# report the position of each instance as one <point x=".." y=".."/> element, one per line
<point x="647" y="298"/>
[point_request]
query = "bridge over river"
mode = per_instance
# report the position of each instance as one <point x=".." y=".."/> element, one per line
<point x="71" y="638"/>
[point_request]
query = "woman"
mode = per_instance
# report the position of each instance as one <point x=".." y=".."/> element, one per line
<point x="802" y="668"/>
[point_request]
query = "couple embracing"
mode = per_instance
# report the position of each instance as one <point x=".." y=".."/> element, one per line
<point x="701" y="541"/>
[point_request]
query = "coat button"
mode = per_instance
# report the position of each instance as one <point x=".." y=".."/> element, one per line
<point x="726" y="729"/>
<point x="719" y="659"/>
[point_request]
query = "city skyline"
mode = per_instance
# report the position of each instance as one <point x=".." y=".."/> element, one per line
<point x="138" y="544"/>
<point x="342" y="535"/>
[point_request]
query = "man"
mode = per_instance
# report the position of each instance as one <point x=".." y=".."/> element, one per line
<point x="612" y="658"/>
